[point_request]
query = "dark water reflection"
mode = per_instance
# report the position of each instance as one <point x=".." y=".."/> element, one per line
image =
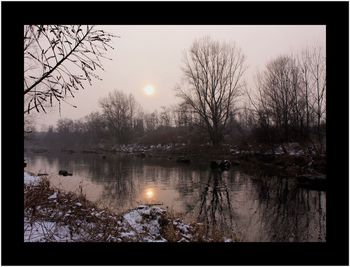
<point x="254" y="208"/>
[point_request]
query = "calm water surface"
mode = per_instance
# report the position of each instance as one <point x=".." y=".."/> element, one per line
<point x="256" y="208"/>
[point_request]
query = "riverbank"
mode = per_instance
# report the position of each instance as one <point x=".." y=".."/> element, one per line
<point x="51" y="215"/>
<point x="287" y="160"/>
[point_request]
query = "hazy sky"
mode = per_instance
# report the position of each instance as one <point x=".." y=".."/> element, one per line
<point x="153" y="55"/>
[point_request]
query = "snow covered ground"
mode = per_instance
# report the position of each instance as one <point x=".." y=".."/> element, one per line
<point x="29" y="179"/>
<point x="291" y="149"/>
<point x="142" y="224"/>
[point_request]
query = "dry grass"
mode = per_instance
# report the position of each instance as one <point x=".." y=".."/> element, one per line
<point x="83" y="217"/>
<point x="91" y="223"/>
<point x="172" y="230"/>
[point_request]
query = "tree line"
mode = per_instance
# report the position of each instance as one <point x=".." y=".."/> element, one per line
<point x="290" y="101"/>
<point x="288" y="104"/>
<point x="121" y="121"/>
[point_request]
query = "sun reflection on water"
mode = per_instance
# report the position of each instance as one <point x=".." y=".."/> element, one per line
<point x="149" y="194"/>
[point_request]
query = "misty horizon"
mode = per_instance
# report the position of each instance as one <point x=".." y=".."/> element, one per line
<point x="153" y="55"/>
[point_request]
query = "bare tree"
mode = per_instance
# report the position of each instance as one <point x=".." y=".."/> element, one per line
<point x="164" y="117"/>
<point x="151" y="121"/>
<point x="58" y="59"/>
<point x="95" y="127"/>
<point x="213" y="74"/>
<point x="119" y="110"/>
<point x="318" y="72"/>
<point x="279" y="95"/>
<point x="290" y="99"/>
<point x="304" y="66"/>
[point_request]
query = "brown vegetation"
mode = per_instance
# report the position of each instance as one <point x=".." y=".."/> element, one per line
<point x="87" y="222"/>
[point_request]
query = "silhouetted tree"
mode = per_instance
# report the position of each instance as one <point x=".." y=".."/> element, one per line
<point x="119" y="110"/>
<point x="318" y="71"/>
<point x="164" y="117"/>
<point x="151" y="121"/>
<point x="95" y="127"/>
<point x="290" y="101"/>
<point x="213" y="73"/>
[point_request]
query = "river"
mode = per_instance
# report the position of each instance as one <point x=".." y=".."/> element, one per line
<point x="256" y="208"/>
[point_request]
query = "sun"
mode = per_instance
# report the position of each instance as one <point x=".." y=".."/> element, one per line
<point x="149" y="90"/>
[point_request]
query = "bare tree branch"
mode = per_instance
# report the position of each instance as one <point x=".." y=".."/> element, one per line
<point x="58" y="59"/>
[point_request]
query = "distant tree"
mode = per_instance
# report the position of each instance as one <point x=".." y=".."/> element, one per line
<point x="65" y="126"/>
<point x="65" y="132"/>
<point x="119" y="110"/>
<point x="95" y="126"/>
<point x="312" y="63"/>
<point x="151" y="121"/>
<point x="213" y="74"/>
<point x="29" y="126"/>
<point x="290" y="100"/>
<point x="139" y="128"/>
<point x="304" y="61"/>
<point x="58" y="60"/>
<point x="164" y="117"/>
<point x="280" y="101"/>
<point x="182" y="114"/>
<point x="49" y="138"/>
<point x="318" y="72"/>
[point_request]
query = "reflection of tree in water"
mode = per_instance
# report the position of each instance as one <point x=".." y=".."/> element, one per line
<point x="288" y="213"/>
<point x="119" y="187"/>
<point x="42" y="164"/>
<point x="215" y="209"/>
<point x="52" y="161"/>
<point x="187" y="181"/>
<point x="112" y="173"/>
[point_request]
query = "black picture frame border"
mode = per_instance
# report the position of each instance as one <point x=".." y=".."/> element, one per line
<point x="335" y="15"/>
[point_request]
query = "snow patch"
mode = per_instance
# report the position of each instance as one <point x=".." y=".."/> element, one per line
<point x="53" y="196"/>
<point x="144" y="221"/>
<point x="44" y="231"/>
<point x="29" y="179"/>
